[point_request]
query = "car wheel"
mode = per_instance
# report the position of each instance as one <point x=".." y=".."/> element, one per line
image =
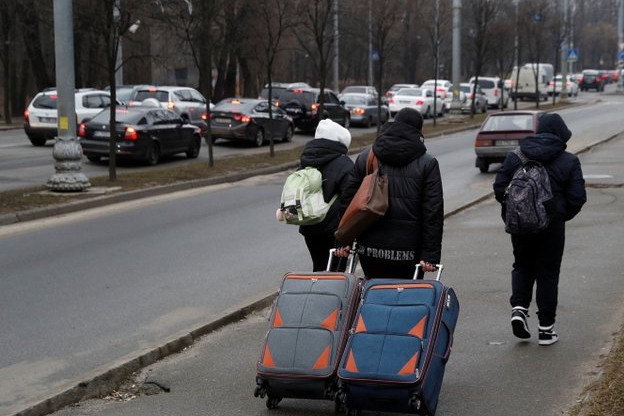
<point x="194" y="147"/>
<point x="259" y="138"/>
<point x="93" y="158"/>
<point x="153" y="154"/>
<point x="483" y="165"/>
<point x="428" y="113"/>
<point x="37" y="141"/>
<point x="185" y="118"/>
<point x="289" y="134"/>
<point x="347" y="122"/>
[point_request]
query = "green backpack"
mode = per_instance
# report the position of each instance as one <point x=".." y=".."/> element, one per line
<point x="302" y="201"/>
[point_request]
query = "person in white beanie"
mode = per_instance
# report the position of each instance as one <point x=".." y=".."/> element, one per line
<point x="328" y="153"/>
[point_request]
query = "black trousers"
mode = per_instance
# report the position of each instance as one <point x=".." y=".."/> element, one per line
<point x="537" y="262"/>
<point x="319" y="246"/>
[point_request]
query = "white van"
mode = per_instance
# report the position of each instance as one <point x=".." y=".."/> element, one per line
<point x="492" y="87"/>
<point x="526" y="81"/>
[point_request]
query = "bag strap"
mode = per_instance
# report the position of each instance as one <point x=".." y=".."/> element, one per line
<point x="371" y="162"/>
<point x="521" y="156"/>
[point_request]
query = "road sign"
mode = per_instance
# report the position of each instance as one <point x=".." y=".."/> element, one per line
<point x="573" y="55"/>
<point x="621" y="56"/>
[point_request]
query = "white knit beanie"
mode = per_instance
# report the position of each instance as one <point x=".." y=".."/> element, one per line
<point x="331" y="130"/>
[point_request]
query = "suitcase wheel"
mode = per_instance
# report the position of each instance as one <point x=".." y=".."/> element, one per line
<point x="354" y="412"/>
<point x="272" y="402"/>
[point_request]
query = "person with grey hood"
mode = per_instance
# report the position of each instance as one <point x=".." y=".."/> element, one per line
<point x="537" y="257"/>
<point x="410" y="232"/>
<point x="328" y="153"/>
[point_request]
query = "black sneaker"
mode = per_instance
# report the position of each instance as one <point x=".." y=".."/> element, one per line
<point x="547" y="335"/>
<point x="519" y="323"/>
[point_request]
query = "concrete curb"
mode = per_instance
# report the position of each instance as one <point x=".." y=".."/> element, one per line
<point x="106" y="382"/>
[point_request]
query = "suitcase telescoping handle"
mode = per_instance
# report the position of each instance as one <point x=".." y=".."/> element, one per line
<point x="438" y="266"/>
<point x="353" y="259"/>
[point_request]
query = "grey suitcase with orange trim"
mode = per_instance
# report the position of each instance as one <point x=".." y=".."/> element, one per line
<point x="308" y="330"/>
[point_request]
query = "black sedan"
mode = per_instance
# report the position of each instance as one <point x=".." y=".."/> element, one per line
<point x="142" y="133"/>
<point x="247" y="119"/>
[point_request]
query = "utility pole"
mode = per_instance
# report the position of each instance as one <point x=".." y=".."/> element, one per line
<point x="620" y="29"/>
<point x="67" y="152"/>
<point x="370" y="43"/>
<point x="337" y="49"/>
<point x="455" y="103"/>
<point x="564" y="54"/>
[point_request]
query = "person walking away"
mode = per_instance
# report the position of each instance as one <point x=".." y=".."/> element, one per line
<point x="411" y="229"/>
<point x="537" y="256"/>
<point x="328" y="153"/>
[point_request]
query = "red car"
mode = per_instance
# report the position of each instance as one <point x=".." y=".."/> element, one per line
<point x="501" y="133"/>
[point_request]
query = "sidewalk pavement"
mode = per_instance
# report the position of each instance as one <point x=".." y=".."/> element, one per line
<point x="489" y="372"/>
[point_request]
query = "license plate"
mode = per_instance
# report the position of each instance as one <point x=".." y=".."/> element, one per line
<point x="47" y="119"/>
<point x="222" y="120"/>
<point x="101" y="134"/>
<point x="506" y="143"/>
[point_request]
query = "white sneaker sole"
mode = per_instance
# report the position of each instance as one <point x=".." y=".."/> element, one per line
<point x="519" y="328"/>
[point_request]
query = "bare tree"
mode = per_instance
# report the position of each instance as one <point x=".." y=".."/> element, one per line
<point x="482" y="14"/>
<point x="533" y="21"/>
<point x="27" y="13"/>
<point x="503" y="48"/>
<point x="7" y="36"/>
<point x="275" y="18"/>
<point x="316" y="38"/>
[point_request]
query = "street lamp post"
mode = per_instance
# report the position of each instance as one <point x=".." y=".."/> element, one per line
<point x="456" y="69"/>
<point x="67" y="152"/>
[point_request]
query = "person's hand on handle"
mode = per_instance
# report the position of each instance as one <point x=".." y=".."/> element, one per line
<point x="343" y="251"/>
<point x="427" y="267"/>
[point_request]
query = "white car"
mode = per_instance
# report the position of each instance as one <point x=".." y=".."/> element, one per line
<point x="554" y="86"/>
<point x="394" y="88"/>
<point x="492" y="87"/>
<point x="420" y="99"/>
<point x="40" y="118"/>
<point x="443" y="87"/>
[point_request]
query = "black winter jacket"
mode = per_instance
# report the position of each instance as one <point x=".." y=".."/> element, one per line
<point x="413" y="224"/>
<point x="564" y="170"/>
<point x="330" y="157"/>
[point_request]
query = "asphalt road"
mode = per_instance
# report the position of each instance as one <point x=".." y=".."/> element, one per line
<point x="87" y="291"/>
<point x="489" y="372"/>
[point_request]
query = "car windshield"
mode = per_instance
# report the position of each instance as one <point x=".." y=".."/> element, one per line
<point x="354" y="89"/>
<point x="122" y="115"/>
<point x="123" y="94"/>
<point x="486" y="83"/>
<point x="162" y="96"/>
<point x="523" y="122"/>
<point x="354" y="99"/>
<point x="410" y="92"/>
<point x="590" y="73"/>
<point x="464" y="88"/>
<point x="235" y="106"/>
<point x="46" y="101"/>
<point x="276" y="92"/>
<point x="304" y="97"/>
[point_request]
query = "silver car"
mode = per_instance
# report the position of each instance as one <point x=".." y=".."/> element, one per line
<point x="187" y="102"/>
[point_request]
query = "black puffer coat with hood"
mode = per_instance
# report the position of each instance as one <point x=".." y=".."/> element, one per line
<point x="564" y="169"/>
<point x="330" y="157"/>
<point x="414" y="220"/>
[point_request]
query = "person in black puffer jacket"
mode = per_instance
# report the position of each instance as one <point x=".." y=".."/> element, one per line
<point x="328" y="153"/>
<point x="537" y="257"/>
<point x="411" y="230"/>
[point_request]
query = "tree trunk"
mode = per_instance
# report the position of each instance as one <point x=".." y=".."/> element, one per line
<point x="27" y="12"/>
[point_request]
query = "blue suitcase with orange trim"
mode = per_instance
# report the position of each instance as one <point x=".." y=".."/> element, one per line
<point x="400" y="342"/>
<point x="308" y="330"/>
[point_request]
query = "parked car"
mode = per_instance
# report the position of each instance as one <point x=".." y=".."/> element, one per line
<point x="143" y="133"/>
<point x="359" y="89"/>
<point x="187" y="102"/>
<point x="363" y="108"/>
<point x="278" y="88"/>
<point x="467" y="90"/>
<point x="420" y="99"/>
<point x="443" y="87"/>
<point x="394" y="88"/>
<point x="591" y="80"/>
<point x="247" y="119"/>
<point x="123" y="92"/>
<point x="501" y="133"/>
<point x="493" y="89"/>
<point x="302" y="105"/>
<point x="554" y="86"/>
<point x="40" y="118"/>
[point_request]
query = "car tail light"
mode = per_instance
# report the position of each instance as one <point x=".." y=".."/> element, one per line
<point x="551" y="83"/>
<point x="420" y="102"/>
<point x="597" y="79"/>
<point x="170" y="105"/>
<point x="495" y="93"/>
<point x="297" y="91"/>
<point x="314" y="107"/>
<point x="359" y="111"/>
<point x="131" y="133"/>
<point x="471" y="96"/>
<point x="82" y="130"/>
<point x="580" y="79"/>
<point x="26" y="116"/>
<point x="242" y="118"/>
<point x="205" y="116"/>
<point x="483" y="142"/>
<point x="391" y="101"/>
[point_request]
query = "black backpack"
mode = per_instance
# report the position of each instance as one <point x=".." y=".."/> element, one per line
<point x="527" y="197"/>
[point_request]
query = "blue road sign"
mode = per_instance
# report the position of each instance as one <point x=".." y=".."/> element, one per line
<point x="621" y="56"/>
<point x="537" y="17"/>
<point x="573" y="55"/>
